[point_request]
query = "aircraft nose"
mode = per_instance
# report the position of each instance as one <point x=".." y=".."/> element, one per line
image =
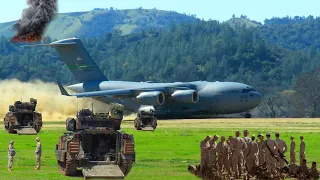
<point x="255" y="98"/>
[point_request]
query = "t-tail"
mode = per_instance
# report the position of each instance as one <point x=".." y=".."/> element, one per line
<point x="77" y="59"/>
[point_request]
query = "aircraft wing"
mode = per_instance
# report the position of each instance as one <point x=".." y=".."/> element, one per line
<point x="121" y="92"/>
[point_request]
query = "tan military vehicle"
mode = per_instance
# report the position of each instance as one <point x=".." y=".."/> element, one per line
<point x="95" y="145"/>
<point x="145" y="120"/>
<point x="23" y="118"/>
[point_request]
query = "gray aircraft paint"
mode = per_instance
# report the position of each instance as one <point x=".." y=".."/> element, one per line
<point x="214" y="97"/>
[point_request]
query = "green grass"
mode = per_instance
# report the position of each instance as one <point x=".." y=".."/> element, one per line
<point x="163" y="154"/>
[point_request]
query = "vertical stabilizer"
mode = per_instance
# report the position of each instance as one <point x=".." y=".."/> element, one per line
<point x="78" y="60"/>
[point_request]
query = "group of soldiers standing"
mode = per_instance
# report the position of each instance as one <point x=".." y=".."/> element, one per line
<point x="12" y="154"/>
<point x="237" y="156"/>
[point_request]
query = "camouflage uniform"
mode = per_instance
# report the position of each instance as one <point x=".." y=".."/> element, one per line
<point x="304" y="171"/>
<point x="262" y="151"/>
<point x="38" y="153"/>
<point x="282" y="145"/>
<point x="11" y="154"/>
<point x="252" y="158"/>
<point x="302" y="150"/>
<point x="247" y="140"/>
<point x="314" y="173"/>
<point x="213" y="152"/>
<point x="270" y="159"/>
<point x="204" y="148"/>
<point x="292" y="152"/>
<point x="222" y="153"/>
<point x="237" y="146"/>
<point x="228" y="159"/>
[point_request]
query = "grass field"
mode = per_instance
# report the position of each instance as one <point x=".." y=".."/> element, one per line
<point x="163" y="154"/>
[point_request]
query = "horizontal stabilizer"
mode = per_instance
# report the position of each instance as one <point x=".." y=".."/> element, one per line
<point x="63" y="90"/>
<point x="51" y="45"/>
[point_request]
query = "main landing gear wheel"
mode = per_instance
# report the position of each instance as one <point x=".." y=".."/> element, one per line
<point x="247" y="115"/>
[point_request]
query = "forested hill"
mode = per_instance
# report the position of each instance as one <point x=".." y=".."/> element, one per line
<point x="197" y="51"/>
<point x="98" y="22"/>
<point x="269" y="57"/>
<point x="293" y="33"/>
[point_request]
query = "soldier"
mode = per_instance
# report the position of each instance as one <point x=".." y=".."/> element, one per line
<point x="261" y="154"/>
<point x="38" y="153"/>
<point x="252" y="158"/>
<point x="246" y="152"/>
<point x="238" y="146"/>
<point x="314" y="171"/>
<point x="292" y="151"/>
<point x="204" y="149"/>
<point x="228" y="160"/>
<point x="302" y="149"/>
<point x="11" y="154"/>
<point x="213" y="151"/>
<point x="271" y="149"/>
<point x="282" y="145"/>
<point x="304" y="170"/>
<point x="222" y="153"/>
<point x="246" y="136"/>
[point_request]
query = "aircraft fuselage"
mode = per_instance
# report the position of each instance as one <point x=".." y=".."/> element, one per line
<point x="214" y="97"/>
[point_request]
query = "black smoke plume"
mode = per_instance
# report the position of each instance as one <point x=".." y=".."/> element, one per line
<point x="35" y="20"/>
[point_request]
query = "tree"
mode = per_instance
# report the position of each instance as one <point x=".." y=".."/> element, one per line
<point x="307" y="97"/>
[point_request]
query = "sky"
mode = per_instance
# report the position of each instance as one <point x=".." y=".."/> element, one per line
<point x="221" y="10"/>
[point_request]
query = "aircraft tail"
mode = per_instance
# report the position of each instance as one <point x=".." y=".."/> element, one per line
<point x="77" y="59"/>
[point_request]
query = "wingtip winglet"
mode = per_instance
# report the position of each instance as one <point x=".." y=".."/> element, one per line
<point x="63" y="90"/>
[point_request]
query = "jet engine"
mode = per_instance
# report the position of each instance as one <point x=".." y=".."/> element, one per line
<point x="151" y="98"/>
<point x="186" y="96"/>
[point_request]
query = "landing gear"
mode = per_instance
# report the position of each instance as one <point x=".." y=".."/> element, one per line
<point x="247" y="115"/>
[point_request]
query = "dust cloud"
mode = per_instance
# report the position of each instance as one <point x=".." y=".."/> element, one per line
<point x="52" y="105"/>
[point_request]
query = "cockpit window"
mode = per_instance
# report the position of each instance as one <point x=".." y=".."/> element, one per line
<point x="248" y="90"/>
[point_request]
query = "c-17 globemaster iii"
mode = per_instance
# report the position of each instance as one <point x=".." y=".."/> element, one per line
<point x="179" y="99"/>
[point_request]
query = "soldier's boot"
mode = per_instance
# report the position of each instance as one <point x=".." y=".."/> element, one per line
<point x="37" y="168"/>
<point x="9" y="170"/>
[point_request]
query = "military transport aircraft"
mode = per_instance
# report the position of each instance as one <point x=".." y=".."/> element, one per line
<point x="179" y="99"/>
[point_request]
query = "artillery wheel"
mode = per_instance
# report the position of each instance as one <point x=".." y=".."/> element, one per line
<point x="9" y="129"/>
<point x="68" y="168"/>
<point x="137" y="123"/>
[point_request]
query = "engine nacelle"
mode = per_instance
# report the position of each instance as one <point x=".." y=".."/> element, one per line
<point x="186" y="96"/>
<point x="151" y="98"/>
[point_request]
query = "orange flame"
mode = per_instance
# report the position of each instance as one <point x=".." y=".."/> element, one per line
<point x="31" y="37"/>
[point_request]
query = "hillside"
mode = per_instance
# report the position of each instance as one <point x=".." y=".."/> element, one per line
<point x="273" y="57"/>
<point x="238" y="22"/>
<point x="100" y="21"/>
